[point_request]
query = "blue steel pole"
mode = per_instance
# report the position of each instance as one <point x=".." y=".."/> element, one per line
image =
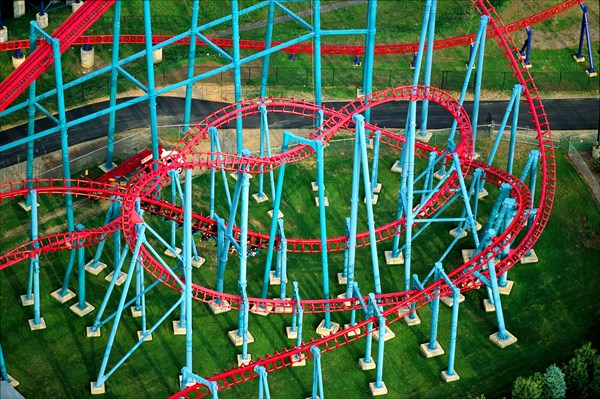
<point x="317" y="55"/>
<point x="300" y="312"/>
<point x="36" y="264"/>
<point x="509" y="108"/>
<point x="453" y="331"/>
<point x="435" y="310"/>
<point x="3" y="372"/>
<point x="114" y="75"/>
<point x="375" y="166"/>
<point x="322" y="230"/>
<point x="266" y="59"/>
<point x="151" y="84"/>
<point x="31" y="121"/>
<point x="513" y="130"/>
<point x="187" y="267"/>
<point x="222" y="254"/>
<point x="369" y="52"/>
<point x="502" y="333"/>
<point x="174" y="176"/>
<point x="242" y="255"/>
<point x="317" y="375"/>
<point x="510" y="205"/>
<point x="237" y="77"/>
<point x="380" y="352"/>
<point x="191" y="64"/>
<point x="428" y="65"/>
<point x="477" y="95"/>
<point x="81" y="269"/>
<point x="588" y="40"/>
<point x="346" y="250"/>
<point x="410" y="165"/>
<point x="352" y="226"/>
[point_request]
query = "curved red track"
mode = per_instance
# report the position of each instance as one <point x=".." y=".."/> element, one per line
<point x="145" y="184"/>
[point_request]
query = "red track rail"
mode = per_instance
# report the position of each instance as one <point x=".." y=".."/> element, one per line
<point x="42" y="57"/>
<point x="307" y="48"/>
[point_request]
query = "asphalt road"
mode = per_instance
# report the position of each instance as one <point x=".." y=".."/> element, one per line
<point x="563" y="114"/>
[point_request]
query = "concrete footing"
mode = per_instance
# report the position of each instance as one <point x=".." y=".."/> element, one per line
<point x="273" y="279"/>
<point x="377" y="391"/>
<point x="387" y="335"/>
<point x="244" y="362"/>
<point x="62" y="298"/>
<point x="25" y="301"/>
<point x="412" y="321"/>
<point x="503" y="343"/>
<point x="94" y="270"/>
<point x="140" y="335"/>
<point x="26" y="207"/>
<point x="135" y="312"/>
<point x="279" y="214"/>
<point x="260" y="199"/>
<point x="18" y="8"/>
<point x="3" y="34"/>
<point x="178" y="329"/>
<point x="234" y="175"/>
<point x="16" y="61"/>
<point x="323" y="331"/>
<point x="488" y="307"/>
<point x="314" y="186"/>
<point x="219" y="307"/>
<point x="81" y="312"/>
<point x="40" y="326"/>
<point x="261" y="310"/>
<point x="342" y="279"/>
<point x="75" y="6"/>
<point x="356" y="331"/>
<point x="507" y="288"/>
<point x="482" y="194"/>
<point x="325" y="200"/>
<point x="157" y="55"/>
<point x="90" y="333"/>
<point x="424" y="138"/>
<point x="377" y="188"/>
<point x="449" y="301"/>
<point x="450" y="377"/>
<point x="428" y="352"/>
<point x="391" y="260"/>
<point x="105" y="169"/>
<point x="298" y="361"/>
<point x="284" y="309"/>
<point x="238" y="340"/>
<point x="87" y="58"/>
<point x="42" y="20"/>
<point x="291" y="334"/>
<point x="120" y="279"/>
<point x="170" y="253"/>
<point x="199" y="262"/>
<point x="578" y="59"/>
<point x="396" y="167"/>
<point x="366" y="365"/>
<point x="531" y="258"/>
<point x="97" y="390"/>
<point x="374" y="199"/>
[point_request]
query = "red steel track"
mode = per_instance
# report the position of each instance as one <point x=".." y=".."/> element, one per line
<point x="146" y="182"/>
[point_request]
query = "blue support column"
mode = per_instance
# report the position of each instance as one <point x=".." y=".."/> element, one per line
<point x="81" y="308"/>
<point x="30" y="123"/>
<point x="3" y="373"/>
<point x="375" y="187"/>
<point x="187" y="267"/>
<point x="343" y="276"/>
<point x="477" y="93"/>
<point x="513" y="130"/>
<point x="450" y="374"/>
<point x="114" y="209"/>
<point x="263" y="385"/>
<point x="189" y="87"/>
<point x="367" y="85"/>
<point x="266" y="59"/>
<point x="427" y="76"/>
<point x="317" y="386"/>
<point x="353" y="220"/>
<point x="317" y="52"/>
<point x="114" y="75"/>
<point x="433" y="347"/>
<point x="37" y="322"/>
<point x="504" y="285"/>
<point x="378" y="387"/>
<point x="151" y="83"/>
<point x="295" y="331"/>
<point x="237" y="78"/>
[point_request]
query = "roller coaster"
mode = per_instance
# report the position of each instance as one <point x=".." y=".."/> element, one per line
<point x="446" y="175"/>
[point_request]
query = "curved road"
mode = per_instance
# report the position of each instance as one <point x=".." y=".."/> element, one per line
<point x="563" y="114"/>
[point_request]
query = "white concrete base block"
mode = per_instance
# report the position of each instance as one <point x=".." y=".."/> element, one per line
<point x="428" y="352"/>
<point x="314" y="186"/>
<point x="13" y="383"/>
<point x="62" y="298"/>
<point x="325" y="200"/>
<point x="324" y="331"/>
<point x="243" y="362"/>
<point x="25" y="301"/>
<point x="467" y="254"/>
<point x="135" y="312"/>
<point x="279" y="214"/>
<point x="382" y="390"/>
<point x="424" y="138"/>
<point x="298" y="361"/>
<point x="235" y="176"/>
<point x="366" y="365"/>
<point x="482" y="194"/>
<point x="284" y="309"/>
<point x="356" y="331"/>
<point x="346" y="303"/>
<point x="81" y="312"/>
<point x="396" y="167"/>
<point x="199" y="262"/>
<point x="374" y="199"/>
<point x="531" y="258"/>
<point x="219" y="307"/>
<point x="26" y="207"/>
<point x="87" y="58"/>
<point x="94" y="270"/>
<point x="40" y="326"/>
<point x="412" y="322"/>
<point x="440" y="175"/>
<point x="97" y="390"/>
<point x="188" y="383"/>
<point x="238" y="340"/>
<point x="42" y="20"/>
<point x="120" y="280"/>
<point x="387" y="335"/>
<point x="507" y="288"/>
<point x="450" y="378"/>
<point x="260" y="199"/>
<point x="454" y="233"/>
<point x="90" y="333"/>
<point x="140" y="335"/>
<point x="105" y="169"/>
<point x="390" y="260"/>
<point x="342" y="279"/>
<point x="503" y="343"/>
<point x="273" y="279"/>
<point x="157" y="55"/>
<point x="75" y="6"/>
<point x="377" y="188"/>
<point x="475" y="156"/>
<point x="18" y="8"/>
<point x="177" y="329"/>
<point x="17" y="61"/>
<point x="291" y="334"/>
<point x="488" y="307"/>
<point x="578" y="59"/>
<point x="170" y="253"/>
<point x="261" y="310"/>
<point x="449" y="301"/>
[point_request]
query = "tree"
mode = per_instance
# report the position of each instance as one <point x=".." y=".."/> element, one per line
<point x="554" y="383"/>
<point x="528" y="388"/>
<point x="582" y="373"/>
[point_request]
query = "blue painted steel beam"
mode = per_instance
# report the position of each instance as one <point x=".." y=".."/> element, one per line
<point x="428" y="65"/>
<point x="114" y="75"/>
<point x="151" y="86"/>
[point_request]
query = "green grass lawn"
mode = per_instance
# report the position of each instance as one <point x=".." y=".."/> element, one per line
<point x="552" y="309"/>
